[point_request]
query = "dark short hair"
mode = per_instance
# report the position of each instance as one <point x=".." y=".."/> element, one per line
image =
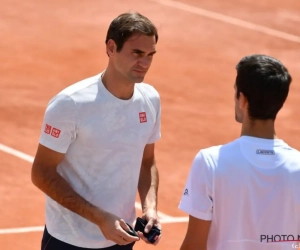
<point x="128" y="24"/>
<point x="265" y="83"/>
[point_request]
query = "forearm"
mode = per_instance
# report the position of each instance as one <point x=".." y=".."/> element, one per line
<point x="57" y="188"/>
<point x="148" y="187"/>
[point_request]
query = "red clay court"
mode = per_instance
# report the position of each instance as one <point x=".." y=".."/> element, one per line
<point x="48" y="45"/>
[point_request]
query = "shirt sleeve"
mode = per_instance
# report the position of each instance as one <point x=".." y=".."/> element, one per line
<point x="59" y="124"/>
<point x="156" y="131"/>
<point x="197" y="198"/>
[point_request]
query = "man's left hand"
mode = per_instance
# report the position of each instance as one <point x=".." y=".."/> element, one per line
<point x="152" y="218"/>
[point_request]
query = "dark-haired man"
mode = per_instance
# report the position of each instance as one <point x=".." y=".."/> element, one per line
<point x="97" y="145"/>
<point x="244" y="194"/>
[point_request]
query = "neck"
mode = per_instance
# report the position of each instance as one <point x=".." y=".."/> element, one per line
<point x="259" y="128"/>
<point x="117" y="84"/>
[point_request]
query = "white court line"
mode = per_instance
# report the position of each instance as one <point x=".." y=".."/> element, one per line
<point x="16" y="153"/>
<point x="290" y="16"/>
<point x="165" y="220"/>
<point x="230" y="20"/>
<point x="21" y="230"/>
<point x="30" y="159"/>
<point x="160" y="214"/>
<point x="41" y="228"/>
<point x="174" y="220"/>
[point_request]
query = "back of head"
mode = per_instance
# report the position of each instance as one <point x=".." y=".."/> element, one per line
<point x="128" y="24"/>
<point x="265" y="82"/>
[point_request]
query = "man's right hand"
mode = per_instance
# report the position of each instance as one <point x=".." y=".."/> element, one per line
<point x="114" y="228"/>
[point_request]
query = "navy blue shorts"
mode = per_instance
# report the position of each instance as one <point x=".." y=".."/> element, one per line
<point x="51" y="243"/>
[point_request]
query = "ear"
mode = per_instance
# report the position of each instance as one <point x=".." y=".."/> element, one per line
<point x="243" y="101"/>
<point x="111" y="48"/>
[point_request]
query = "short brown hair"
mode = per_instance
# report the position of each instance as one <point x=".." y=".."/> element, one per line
<point x="128" y="24"/>
<point x="265" y="82"/>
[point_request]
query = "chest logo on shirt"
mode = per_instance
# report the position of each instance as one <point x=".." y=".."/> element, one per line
<point x="53" y="131"/>
<point x="143" y="117"/>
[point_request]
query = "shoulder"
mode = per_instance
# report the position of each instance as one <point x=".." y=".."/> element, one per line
<point x="295" y="152"/>
<point x="290" y="150"/>
<point x="212" y="151"/>
<point x="81" y="86"/>
<point x="148" y="90"/>
<point x="149" y="94"/>
<point x="291" y="153"/>
<point x="75" y="92"/>
<point x="61" y="100"/>
<point x="207" y="156"/>
<point x="210" y="156"/>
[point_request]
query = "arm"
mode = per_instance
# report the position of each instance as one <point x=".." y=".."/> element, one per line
<point x="197" y="201"/>
<point x="196" y="235"/>
<point x="149" y="180"/>
<point x="148" y="187"/>
<point x="61" y="113"/>
<point x="45" y="177"/>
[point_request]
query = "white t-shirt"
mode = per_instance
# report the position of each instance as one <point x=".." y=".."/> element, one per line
<point x="103" y="139"/>
<point x="250" y="190"/>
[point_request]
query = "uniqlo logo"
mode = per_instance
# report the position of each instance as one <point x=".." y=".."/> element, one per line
<point x="47" y="129"/>
<point x="143" y="117"/>
<point x="55" y="132"/>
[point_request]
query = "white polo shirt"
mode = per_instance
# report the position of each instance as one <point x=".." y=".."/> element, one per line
<point x="103" y="139"/>
<point x="250" y="190"/>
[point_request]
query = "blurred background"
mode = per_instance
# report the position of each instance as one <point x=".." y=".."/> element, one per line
<point x="47" y="45"/>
